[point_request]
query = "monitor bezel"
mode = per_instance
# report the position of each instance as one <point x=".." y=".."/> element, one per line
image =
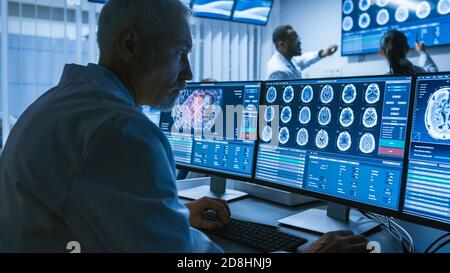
<point x="354" y="204"/>
<point x="227" y="175"/>
<point x="251" y="23"/>
<point x="410" y="217"/>
<point x="191" y="6"/>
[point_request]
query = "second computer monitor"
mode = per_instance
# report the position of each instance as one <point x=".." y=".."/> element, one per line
<point x="342" y="139"/>
<point x="213" y="128"/>
<point x="427" y="193"/>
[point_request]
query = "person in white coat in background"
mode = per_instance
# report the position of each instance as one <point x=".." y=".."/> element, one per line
<point x="288" y="61"/>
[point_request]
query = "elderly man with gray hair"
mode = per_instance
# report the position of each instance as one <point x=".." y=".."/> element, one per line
<point x="84" y="169"/>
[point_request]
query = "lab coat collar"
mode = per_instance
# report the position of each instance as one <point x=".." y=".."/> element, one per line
<point x="100" y="76"/>
<point x="285" y="61"/>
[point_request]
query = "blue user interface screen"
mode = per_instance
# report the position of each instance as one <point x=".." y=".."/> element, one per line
<point x="252" y="11"/>
<point x="214" y="127"/>
<point x="428" y="183"/>
<point x="365" y="21"/>
<point x="343" y="138"/>
<point x="218" y="9"/>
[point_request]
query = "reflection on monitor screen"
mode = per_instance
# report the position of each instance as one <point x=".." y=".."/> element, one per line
<point x="343" y="138"/>
<point x="428" y="182"/>
<point x="219" y="9"/>
<point x="365" y="21"/>
<point x="252" y="11"/>
<point x="214" y="127"/>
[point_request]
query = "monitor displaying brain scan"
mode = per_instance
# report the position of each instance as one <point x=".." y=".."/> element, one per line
<point x="196" y="126"/>
<point x="365" y="21"/>
<point x="428" y="177"/>
<point x="346" y="131"/>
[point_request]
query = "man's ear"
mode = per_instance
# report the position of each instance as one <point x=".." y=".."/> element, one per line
<point x="281" y="46"/>
<point x="128" y="45"/>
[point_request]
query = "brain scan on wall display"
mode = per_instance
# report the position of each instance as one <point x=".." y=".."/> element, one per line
<point x="347" y="7"/>
<point x="364" y="4"/>
<point x="437" y="115"/>
<point x="344" y="141"/>
<point x="302" y="137"/>
<point x="401" y="14"/>
<point x="364" y="20"/>
<point x="443" y="7"/>
<point x="347" y="23"/>
<point x="307" y="94"/>
<point x="286" y="114"/>
<point x="367" y="143"/>
<point x="288" y="94"/>
<point x="322" y="139"/>
<point x="327" y="94"/>
<point x="283" y="136"/>
<point x="347" y="117"/>
<point x="271" y="95"/>
<point x="324" y="116"/>
<point x="382" y="17"/>
<point x="370" y="118"/>
<point x="372" y="93"/>
<point x="423" y="10"/>
<point x="269" y="113"/>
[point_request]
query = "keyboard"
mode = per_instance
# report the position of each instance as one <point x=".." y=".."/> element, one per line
<point x="261" y="237"/>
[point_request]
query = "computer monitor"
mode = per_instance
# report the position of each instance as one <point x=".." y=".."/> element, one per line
<point x="215" y="9"/>
<point x="213" y="130"/>
<point x="252" y="11"/>
<point x="342" y="140"/>
<point x="365" y="21"/>
<point x="427" y="193"/>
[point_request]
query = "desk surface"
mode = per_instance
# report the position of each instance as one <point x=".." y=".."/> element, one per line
<point x="261" y="211"/>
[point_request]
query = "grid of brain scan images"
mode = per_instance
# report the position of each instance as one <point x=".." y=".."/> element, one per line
<point x="325" y="135"/>
<point x="365" y="21"/>
<point x="325" y="117"/>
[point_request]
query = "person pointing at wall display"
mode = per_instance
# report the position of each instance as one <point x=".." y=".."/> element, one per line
<point x="288" y="61"/>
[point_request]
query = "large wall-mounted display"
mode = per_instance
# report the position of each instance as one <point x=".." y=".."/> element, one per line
<point x="365" y="21"/>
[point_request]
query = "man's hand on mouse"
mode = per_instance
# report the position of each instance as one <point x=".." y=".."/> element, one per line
<point x="198" y="207"/>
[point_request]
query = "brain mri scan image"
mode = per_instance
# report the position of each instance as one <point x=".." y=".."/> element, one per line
<point x="267" y="134"/>
<point x="401" y="14"/>
<point x="382" y="3"/>
<point x="269" y="114"/>
<point x="327" y="94"/>
<point x="373" y="93"/>
<point x="370" y="117"/>
<point x="286" y="114"/>
<point x="283" y="136"/>
<point x="305" y="115"/>
<point x="364" y="20"/>
<point x="437" y="115"/>
<point x="307" y="94"/>
<point x="324" y="116"/>
<point x="367" y="143"/>
<point x="288" y="94"/>
<point x="443" y="7"/>
<point x="322" y="139"/>
<point x="382" y="17"/>
<point x="347" y="23"/>
<point x="347" y="7"/>
<point x="271" y="95"/>
<point x="347" y="117"/>
<point x="302" y="137"/>
<point x="197" y="110"/>
<point x="423" y="9"/>
<point x="344" y="141"/>
<point x="364" y="4"/>
<point x="349" y="94"/>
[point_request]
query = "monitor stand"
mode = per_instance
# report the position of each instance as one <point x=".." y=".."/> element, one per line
<point x="216" y="189"/>
<point x="335" y="217"/>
